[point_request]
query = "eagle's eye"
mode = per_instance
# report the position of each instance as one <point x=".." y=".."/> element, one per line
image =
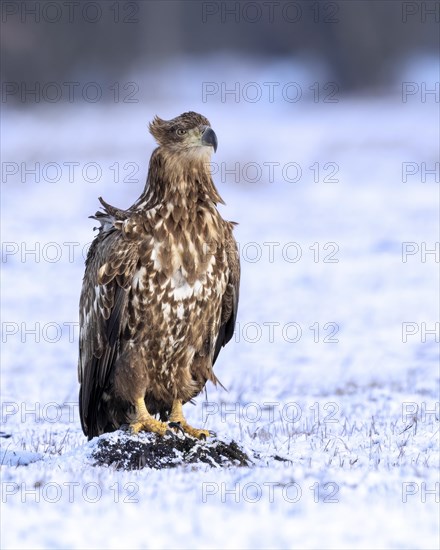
<point x="180" y="132"/>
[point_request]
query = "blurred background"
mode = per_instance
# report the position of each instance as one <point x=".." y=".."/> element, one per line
<point x="362" y="45"/>
<point x="327" y="120"/>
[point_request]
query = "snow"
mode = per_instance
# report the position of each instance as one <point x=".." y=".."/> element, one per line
<point x="332" y="366"/>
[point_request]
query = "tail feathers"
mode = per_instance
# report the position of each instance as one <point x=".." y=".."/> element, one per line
<point x="109" y="415"/>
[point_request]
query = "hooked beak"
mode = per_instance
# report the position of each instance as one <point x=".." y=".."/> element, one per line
<point x="209" y="138"/>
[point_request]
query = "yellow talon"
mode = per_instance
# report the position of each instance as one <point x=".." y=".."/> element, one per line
<point x="144" y="422"/>
<point x="177" y="417"/>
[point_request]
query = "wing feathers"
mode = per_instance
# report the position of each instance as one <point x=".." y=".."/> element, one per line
<point x="230" y="297"/>
<point x="109" y="270"/>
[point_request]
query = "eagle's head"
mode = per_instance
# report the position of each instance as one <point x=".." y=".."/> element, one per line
<point x="188" y="133"/>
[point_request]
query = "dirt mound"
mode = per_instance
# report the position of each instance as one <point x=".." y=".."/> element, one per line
<point x="134" y="452"/>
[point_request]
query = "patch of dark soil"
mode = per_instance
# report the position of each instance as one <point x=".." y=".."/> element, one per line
<point x="134" y="452"/>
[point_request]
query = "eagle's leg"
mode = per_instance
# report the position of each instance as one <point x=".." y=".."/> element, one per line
<point x="144" y="422"/>
<point x="177" y="417"/>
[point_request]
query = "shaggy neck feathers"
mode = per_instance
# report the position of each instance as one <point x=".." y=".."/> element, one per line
<point x="183" y="177"/>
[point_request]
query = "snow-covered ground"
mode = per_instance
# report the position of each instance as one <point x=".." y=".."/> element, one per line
<point x="334" y="364"/>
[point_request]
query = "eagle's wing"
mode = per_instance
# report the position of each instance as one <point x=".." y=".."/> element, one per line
<point x="230" y="297"/>
<point x="110" y="264"/>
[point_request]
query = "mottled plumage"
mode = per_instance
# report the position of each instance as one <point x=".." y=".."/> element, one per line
<point x="160" y="290"/>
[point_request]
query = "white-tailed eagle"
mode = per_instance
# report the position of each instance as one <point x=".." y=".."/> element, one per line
<point x="160" y="291"/>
